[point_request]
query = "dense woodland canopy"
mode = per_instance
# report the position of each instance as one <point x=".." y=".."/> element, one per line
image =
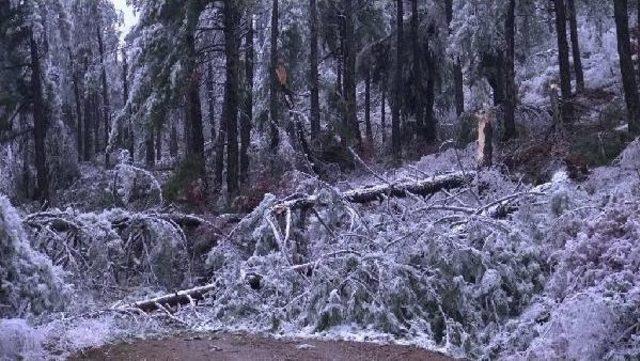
<point x="231" y="93"/>
<point x="253" y="114"/>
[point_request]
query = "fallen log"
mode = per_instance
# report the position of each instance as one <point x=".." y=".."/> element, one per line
<point x="168" y="301"/>
<point x="422" y="187"/>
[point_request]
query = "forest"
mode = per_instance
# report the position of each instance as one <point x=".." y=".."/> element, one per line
<point x="452" y="179"/>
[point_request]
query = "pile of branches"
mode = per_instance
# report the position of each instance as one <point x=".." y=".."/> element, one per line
<point x="117" y="247"/>
<point x="445" y="263"/>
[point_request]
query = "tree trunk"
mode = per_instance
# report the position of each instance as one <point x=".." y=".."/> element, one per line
<point x="195" y="146"/>
<point x="230" y="109"/>
<point x="211" y="99"/>
<point x="417" y="72"/>
<point x="563" y="58"/>
<point x="430" y="120"/>
<point x="150" y="151"/>
<point x="125" y="97"/>
<point x="78" y="102"/>
<point x="39" y="123"/>
<point x="367" y="107"/>
<point x="247" y="118"/>
<point x="383" y="113"/>
<point x="458" y="82"/>
<point x="159" y="143"/>
<point x="106" y="110"/>
<point x="89" y="120"/>
<point x="274" y="112"/>
<point x="352" y="129"/>
<point x="575" y="45"/>
<point x="396" y="149"/>
<point x="173" y="141"/>
<point x="313" y="70"/>
<point x="626" y="66"/>
<point x="510" y="82"/>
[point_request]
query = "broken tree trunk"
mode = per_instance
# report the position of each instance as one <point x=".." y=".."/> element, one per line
<point x="190" y="296"/>
<point x="422" y="187"/>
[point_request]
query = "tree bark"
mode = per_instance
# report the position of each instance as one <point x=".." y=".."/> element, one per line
<point x="313" y="70"/>
<point x="173" y="141"/>
<point x="125" y="97"/>
<point x="159" y="143"/>
<point x="396" y="149"/>
<point x="423" y="187"/>
<point x="458" y="81"/>
<point x="563" y="59"/>
<point x="383" y="112"/>
<point x="78" y="102"/>
<point x="367" y="107"/>
<point x="195" y="146"/>
<point x="247" y="119"/>
<point x="575" y="45"/>
<point x="106" y="110"/>
<point x="273" y="65"/>
<point x="351" y="127"/>
<point x="150" y="149"/>
<point x="417" y="72"/>
<point x="39" y="123"/>
<point x="230" y="109"/>
<point x="211" y="100"/>
<point x="510" y="73"/>
<point x="626" y="66"/>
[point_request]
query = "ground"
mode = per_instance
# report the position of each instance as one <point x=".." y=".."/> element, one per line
<point x="242" y="347"/>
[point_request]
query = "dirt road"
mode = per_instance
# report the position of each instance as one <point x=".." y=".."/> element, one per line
<point x="242" y="347"/>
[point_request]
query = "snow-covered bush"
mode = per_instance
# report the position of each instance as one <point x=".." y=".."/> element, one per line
<point x="29" y="283"/>
<point x="135" y="187"/>
<point x="114" y="247"/>
<point x="19" y="341"/>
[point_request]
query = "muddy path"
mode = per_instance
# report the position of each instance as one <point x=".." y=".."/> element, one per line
<point x="243" y="347"/>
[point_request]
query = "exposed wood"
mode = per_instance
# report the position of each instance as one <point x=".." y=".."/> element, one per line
<point x="422" y="187"/>
<point x="183" y="297"/>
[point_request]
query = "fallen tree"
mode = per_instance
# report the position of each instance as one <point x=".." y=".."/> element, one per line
<point x="424" y="187"/>
<point x="189" y="296"/>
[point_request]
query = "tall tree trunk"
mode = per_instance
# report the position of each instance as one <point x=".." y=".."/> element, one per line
<point x="230" y="109"/>
<point x="396" y="149"/>
<point x="173" y="141"/>
<point x="39" y="124"/>
<point x="383" y="112"/>
<point x="417" y="82"/>
<point x="219" y="160"/>
<point x="510" y="74"/>
<point x="159" y="143"/>
<point x="150" y="151"/>
<point x="575" y="45"/>
<point x="89" y="120"/>
<point x="563" y="58"/>
<point x="313" y="70"/>
<point x="638" y="30"/>
<point x="351" y="126"/>
<point x="211" y="100"/>
<point x="78" y="102"/>
<point x="125" y="97"/>
<point x="195" y="145"/>
<point x="367" y="107"/>
<point x="106" y="110"/>
<point x="274" y="112"/>
<point x="626" y="66"/>
<point x="458" y="80"/>
<point x="247" y="118"/>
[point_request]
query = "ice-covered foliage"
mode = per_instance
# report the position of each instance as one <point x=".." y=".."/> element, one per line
<point x="135" y="187"/>
<point x="29" y="283"/>
<point x="115" y="247"/>
<point x="496" y="270"/>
